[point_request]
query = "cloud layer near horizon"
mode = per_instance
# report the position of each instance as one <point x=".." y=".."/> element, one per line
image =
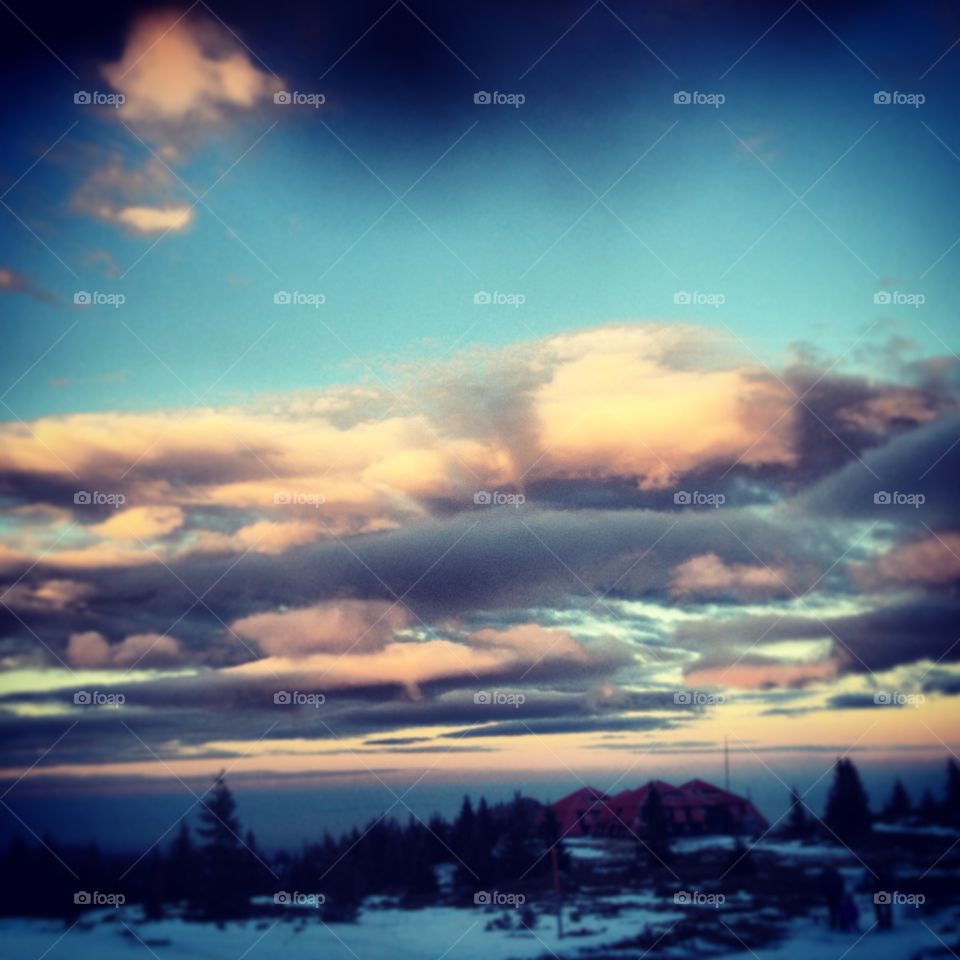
<point x="591" y="519"/>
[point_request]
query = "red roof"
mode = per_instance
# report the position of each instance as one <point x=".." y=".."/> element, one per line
<point x="580" y="812"/>
<point x="590" y="811"/>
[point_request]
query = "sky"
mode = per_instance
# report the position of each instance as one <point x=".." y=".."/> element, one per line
<point x="411" y="396"/>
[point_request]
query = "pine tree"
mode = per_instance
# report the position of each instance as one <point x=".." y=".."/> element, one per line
<point x="848" y="811"/>
<point x="224" y="893"/>
<point x="951" y="804"/>
<point x="798" y="823"/>
<point x="929" y="809"/>
<point x="154" y="886"/>
<point x="898" y="806"/>
<point x="518" y="853"/>
<point x="487" y="833"/>
<point x="655" y="830"/>
<point x="183" y="865"/>
<point x="552" y="838"/>
<point x="464" y="830"/>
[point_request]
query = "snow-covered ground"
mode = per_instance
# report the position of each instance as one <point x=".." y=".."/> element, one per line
<point x="428" y="934"/>
<point x="920" y="830"/>
<point x="442" y="932"/>
<point x="913" y="934"/>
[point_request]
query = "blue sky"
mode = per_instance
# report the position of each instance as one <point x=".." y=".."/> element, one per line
<point x="705" y="209"/>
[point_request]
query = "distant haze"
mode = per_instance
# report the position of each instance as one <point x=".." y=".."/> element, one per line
<point x="133" y="817"/>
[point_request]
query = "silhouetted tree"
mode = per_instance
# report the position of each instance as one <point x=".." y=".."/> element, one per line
<point x="898" y="806"/>
<point x="224" y="892"/>
<point x="183" y="866"/>
<point x="487" y="834"/>
<point x="951" y="802"/>
<point x="798" y="821"/>
<point x="552" y="838"/>
<point x="929" y="809"/>
<point x="848" y="811"/>
<point x="518" y="849"/>
<point x="153" y="879"/>
<point x="655" y="830"/>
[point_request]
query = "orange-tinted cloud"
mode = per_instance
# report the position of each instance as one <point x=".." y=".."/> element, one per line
<point x="343" y="625"/>
<point x="90" y="650"/>
<point x="932" y="560"/>
<point x="484" y="654"/>
<point x="175" y="69"/>
<point x="751" y="675"/>
<point x="708" y="575"/>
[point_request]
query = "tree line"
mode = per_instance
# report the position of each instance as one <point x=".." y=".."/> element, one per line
<point x="216" y="870"/>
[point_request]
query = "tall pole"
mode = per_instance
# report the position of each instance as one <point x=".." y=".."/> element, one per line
<point x="557" y="888"/>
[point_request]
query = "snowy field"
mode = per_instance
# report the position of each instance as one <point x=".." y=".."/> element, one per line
<point x="447" y="933"/>
<point x="427" y="934"/>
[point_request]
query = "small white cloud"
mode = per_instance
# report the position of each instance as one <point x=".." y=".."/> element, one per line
<point x="155" y="219"/>
<point x="139" y="199"/>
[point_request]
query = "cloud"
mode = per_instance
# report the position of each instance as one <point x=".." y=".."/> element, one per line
<point x="708" y="575"/>
<point x="615" y="416"/>
<point x="302" y="519"/>
<point x="409" y="664"/>
<point x="758" y="672"/>
<point x="142" y="200"/>
<point x="178" y="70"/>
<point x="90" y="650"/>
<point x="105" y="260"/>
<point x="261" y="537"/>
<point x="139" y="523"/>
<point x="47" y="595"/>
<point x="338" y="626"/>
<point x="631" y="401"/>
<point x="932" y="560"/>
<point x="13" y="281"/>
<point x="148" y="220"/>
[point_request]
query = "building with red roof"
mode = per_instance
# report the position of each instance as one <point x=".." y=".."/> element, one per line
<point x="695" y="807"/>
